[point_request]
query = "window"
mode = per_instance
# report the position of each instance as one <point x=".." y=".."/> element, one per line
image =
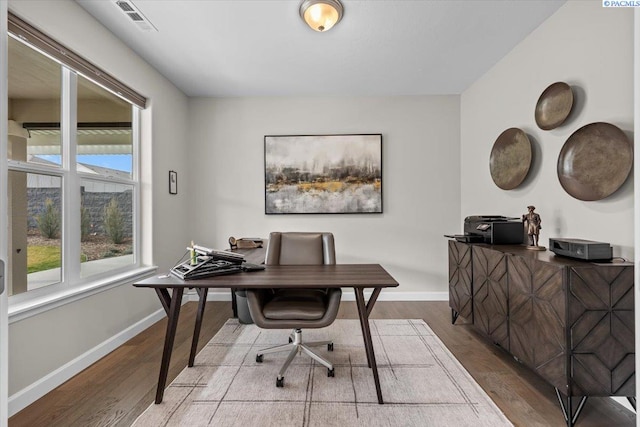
<point x="106" y="226"/>
<point x="35" y="224"/>
<point x="73" y="185"/>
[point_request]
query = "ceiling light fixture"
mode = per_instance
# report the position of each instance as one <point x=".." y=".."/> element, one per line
<point x="321" y="15"/>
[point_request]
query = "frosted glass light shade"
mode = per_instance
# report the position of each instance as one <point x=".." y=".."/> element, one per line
<point x="321" y="15"/>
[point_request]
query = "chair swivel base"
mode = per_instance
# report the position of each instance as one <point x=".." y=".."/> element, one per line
<point x="296" y="345"/>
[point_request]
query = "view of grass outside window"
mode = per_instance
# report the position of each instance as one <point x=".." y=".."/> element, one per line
<point x="36" y="230"/>
<point x="33" y="96"/>
<point x="102" y="174"/>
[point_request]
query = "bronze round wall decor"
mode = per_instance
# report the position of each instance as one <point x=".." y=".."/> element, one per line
<point x="595" y="161"/>
<point x="554" y="106"/>
<point x="510" y="158"/>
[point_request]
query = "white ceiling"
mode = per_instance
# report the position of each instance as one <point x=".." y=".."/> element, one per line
<point x="381" y="47"/>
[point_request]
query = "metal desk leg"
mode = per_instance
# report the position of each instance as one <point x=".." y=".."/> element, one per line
<point x="234" y="304"/>
<point x="364" y="337"/>
<point x="171" y="305"/>
<point x="372" y="301"/>
<point x="202" y="293"/>
<point x="363" y="313"/>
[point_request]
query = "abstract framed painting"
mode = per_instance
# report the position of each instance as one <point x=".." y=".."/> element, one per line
<point x="323" y="174"/>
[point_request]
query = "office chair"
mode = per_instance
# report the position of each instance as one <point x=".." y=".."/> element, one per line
<point x="296" y="308"/>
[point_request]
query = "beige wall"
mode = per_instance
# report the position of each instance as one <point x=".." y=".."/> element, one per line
<point x="421" y="177"/>
<point x="42" y="343"/>
<point x="591" y="48"/>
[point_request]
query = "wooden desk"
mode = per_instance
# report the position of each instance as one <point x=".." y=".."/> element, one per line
<point x="356" y="276"/>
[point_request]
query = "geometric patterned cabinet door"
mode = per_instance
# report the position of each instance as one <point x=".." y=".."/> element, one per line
<point x="460" y="299"/>
<point x="537" y="313"/>
<point x="570" y="321"/>
<point x="602" y="331"/>
<point x="490" y="298"/>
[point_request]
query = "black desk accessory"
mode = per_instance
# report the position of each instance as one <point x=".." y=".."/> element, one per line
<point x="587" y="250"/>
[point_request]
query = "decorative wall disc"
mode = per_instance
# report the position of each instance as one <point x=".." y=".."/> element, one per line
<point x="510" y="158"/>
<point x="595" y="161"/>
<point x="554" y="106"/>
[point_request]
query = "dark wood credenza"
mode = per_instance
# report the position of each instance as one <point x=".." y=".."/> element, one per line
<point x="570" y="321"/>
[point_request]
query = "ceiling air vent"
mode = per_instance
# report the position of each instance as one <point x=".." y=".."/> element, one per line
<point x="125" y="6"/>
<point x="135" y="17"/>
<point x="134" y="14"/>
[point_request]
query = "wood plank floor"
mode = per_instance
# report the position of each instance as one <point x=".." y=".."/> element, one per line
<point x="116" y="389"/>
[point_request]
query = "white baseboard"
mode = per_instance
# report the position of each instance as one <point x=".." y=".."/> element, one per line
<point x="44" y="385"/>
<point x="347" y="296"/>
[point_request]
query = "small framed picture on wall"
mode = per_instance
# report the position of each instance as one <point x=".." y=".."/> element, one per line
<point x="173" y="182"/>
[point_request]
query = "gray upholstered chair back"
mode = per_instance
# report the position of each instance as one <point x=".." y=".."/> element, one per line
<point x="300" y="248"/>
<point x="296" y="308"/>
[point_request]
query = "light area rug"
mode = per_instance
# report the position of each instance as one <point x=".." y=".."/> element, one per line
<point x="422" y="382"/>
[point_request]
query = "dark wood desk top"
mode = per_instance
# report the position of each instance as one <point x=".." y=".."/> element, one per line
<point x="287" y="276"/>
<point x="254" y="255"/>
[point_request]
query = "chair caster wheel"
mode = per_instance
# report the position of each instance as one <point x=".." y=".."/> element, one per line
<point x="259" y="358"/>
<point x="280" y="382"/>
<point x="331" y="373"/>
<point x="330" y="346"/>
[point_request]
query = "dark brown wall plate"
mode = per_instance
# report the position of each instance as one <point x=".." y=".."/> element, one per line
<point x="510" y="158"/>
<point x="554" y="106"/>
<point x="595" y="161"/>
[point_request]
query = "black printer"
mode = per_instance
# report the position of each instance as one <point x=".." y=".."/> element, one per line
<point x="494" y="229"/>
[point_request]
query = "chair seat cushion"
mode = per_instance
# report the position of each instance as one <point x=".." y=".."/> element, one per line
<point x="296" y="304"/>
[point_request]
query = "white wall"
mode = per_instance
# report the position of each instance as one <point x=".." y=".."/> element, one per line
<point x="40" y="344"/>
<point x="591" y="48"/>
<point x="421" y="177"/>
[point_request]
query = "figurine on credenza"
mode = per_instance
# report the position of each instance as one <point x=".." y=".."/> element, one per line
<point x="533" y="224"/>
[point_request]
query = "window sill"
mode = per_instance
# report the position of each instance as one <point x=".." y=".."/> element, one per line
<point x="32" y="307"/>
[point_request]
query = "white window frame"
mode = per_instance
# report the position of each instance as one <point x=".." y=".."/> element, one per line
<point x="72" y="286"/>
<point x="4" y="303"/>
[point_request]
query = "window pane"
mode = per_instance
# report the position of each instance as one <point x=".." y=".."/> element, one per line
<point x="34" y="99"/>
<point x="104" y="131"/>
<point x="35" y="225"/>
<point x="106" y="226"/>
